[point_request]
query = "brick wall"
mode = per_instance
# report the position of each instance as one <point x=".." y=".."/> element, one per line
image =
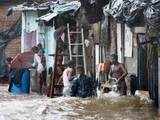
<point x="14" y="46"/>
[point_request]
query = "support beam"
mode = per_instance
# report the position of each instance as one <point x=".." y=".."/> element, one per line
<point x="159" y="84"/>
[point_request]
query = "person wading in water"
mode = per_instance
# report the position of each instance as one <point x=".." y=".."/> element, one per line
<point x="67" y="77"/>
<point x="119" y="72"/>
<point x="43" y="82"/>
<point x="39" y="67"/>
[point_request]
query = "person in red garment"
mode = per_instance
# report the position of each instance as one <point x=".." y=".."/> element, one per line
<point x="119" y="72"/>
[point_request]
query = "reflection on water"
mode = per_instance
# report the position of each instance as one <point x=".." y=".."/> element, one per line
<point x="125" y="108"/>
<point x="35" y="107"/>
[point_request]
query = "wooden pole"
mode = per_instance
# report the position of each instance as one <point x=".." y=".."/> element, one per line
<point x="159" y="85"/>
<point x="84" y="55"/>
<point x="69" y="40"/>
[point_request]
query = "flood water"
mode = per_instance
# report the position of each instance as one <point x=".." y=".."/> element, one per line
<point x="35" y="107"/>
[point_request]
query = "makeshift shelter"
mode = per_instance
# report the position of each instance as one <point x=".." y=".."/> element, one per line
<point x="40" y="23"/>
<point x="137" y="33"/>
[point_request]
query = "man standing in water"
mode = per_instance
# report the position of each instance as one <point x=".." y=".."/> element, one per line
<point x="42" y="82"/>
<point x="82" y="84"/>
<point x="119" y="72"/>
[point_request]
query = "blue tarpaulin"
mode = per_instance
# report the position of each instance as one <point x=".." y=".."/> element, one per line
<point x="19" y="81"/>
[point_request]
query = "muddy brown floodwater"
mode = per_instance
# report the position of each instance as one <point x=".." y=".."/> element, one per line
<point x="35" y="107"/>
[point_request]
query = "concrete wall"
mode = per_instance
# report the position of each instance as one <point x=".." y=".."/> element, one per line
<point x="13" y="48"/>
<point x="131" y="63"/>
<point x="120" y="50"/>
<point x="29" y="24"/>
<point x="50" y="46"/>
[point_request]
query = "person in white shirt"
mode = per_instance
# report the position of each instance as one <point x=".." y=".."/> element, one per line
<point x="67" y="78"/>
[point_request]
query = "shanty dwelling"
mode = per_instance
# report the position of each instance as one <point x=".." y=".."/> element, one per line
<point x="134" y="36"/>
<point x="40" y="24"/>
<point x="112" y="35"/>
<point x="31" y="30"/>
<point x="33" y="33"/>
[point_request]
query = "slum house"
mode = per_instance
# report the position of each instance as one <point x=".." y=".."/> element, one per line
<point x="88" y="20"/>
<point x="39" y="25"/>
<point x="134" y="36"/>
<point x="61" y="55"/>
<point x="11" y="45"/>
<point x="14" y="46"/>
<point x="10" y="42"/>
<point x="124" y="44"/>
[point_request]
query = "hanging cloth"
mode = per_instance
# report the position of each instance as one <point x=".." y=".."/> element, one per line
<point x="29" y="40"/>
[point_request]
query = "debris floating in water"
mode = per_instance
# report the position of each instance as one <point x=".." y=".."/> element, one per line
<point x="37" y="107"/>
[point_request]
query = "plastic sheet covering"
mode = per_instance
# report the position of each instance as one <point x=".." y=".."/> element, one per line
<point x="152" y="15"/>
<point x="138" y="5"/>
<point x="135" y="12"/>
<point x="114" y="8"/>
<point x="132" y="12"/>
<point x="25" y="81"/>
<point x="128" y="11"/>
<point x="70" y="7"/>
<point x="19" y="81"/>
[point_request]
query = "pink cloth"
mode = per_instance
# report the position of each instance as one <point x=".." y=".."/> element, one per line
<point x="29" y="40"/>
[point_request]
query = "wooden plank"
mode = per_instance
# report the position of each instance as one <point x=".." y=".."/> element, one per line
<point x="119" y="42"/>
<point x="159" y="84"/>
<point x="84" y="53"/>
<point x="77" y="55"/>
<point x="72" y="32"/>
<point x="57" y="55"/>
<point x="69" y="40"/>
<point x="78" y="44"/>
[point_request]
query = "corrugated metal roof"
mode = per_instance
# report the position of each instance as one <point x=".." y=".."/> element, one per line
<point x="61" y="8"/>
<point x="47" y="17"/>
<point x="23" y="8"/>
